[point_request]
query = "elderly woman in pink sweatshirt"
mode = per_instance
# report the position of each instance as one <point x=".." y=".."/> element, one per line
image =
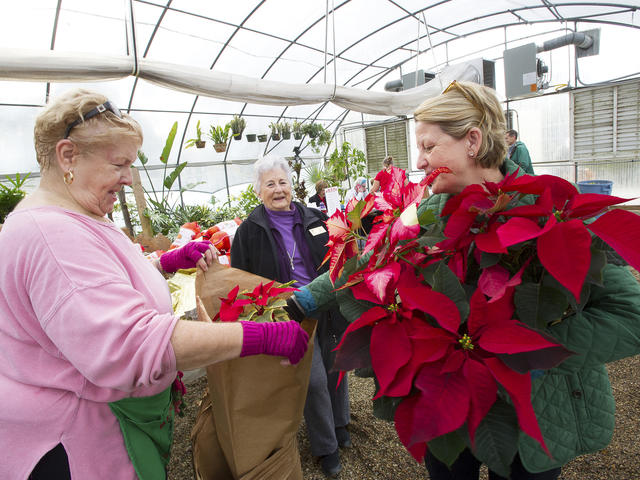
<point x="89" y="345"/>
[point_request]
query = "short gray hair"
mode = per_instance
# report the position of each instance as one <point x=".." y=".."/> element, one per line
<point x="266" y="164"/>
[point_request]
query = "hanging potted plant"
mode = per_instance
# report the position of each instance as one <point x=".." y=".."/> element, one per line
<point x="285" y="130"/>
<point x="251" y="137"/>
<point x="297" y="130"/>
<point x="220" y="136"/>
<point x="275" y="134"/>
<point x="312" y="129"/>
<point x="197" y="141"/>
<point x="321" y="137"/>
<point x="262" y="137"/>
<point x="238" y="125"/>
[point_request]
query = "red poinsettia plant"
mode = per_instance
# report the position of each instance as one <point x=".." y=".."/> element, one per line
<point x="447" y="310"/>
<point x="263" y="304"/>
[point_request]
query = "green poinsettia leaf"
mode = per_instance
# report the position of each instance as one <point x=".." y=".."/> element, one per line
<point x="426" y="217"/>
<point x="267" y="316"/>
<point x="538" y="305"/>
<point x="354" y="216"/>
<point x="431" y="235"/>
<point x="276" y="303"/>
<point x="489" y="259"/>
<point x="551" y="282"/>
<point x="249" y="314"/>
<point x="429" y="240"/>
<point x="384" y="408"/>
<point x="350" y="267"/>
<point x="446" y="282"/>
<point x="350" y="307"/>
<point x="280" y="316"/>
<point x="598" y="261"/>
<point x="429" y="272"/>
<point x="496" y="439"/>
<point x="447" y="448"/>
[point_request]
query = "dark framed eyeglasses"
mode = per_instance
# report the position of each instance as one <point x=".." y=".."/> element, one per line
<point x="104" y="107"/>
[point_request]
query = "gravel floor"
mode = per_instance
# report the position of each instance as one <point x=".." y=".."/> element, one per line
<point x="378" y="455"/>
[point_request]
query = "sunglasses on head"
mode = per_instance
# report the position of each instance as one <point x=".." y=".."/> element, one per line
<point x="106" y="106"/>
<point x="456" y="86"/>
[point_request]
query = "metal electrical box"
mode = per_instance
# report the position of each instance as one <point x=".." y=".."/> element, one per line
<point x="520" y="74"/>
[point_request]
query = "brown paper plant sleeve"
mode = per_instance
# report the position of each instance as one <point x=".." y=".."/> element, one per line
<point x="256" y="403"/>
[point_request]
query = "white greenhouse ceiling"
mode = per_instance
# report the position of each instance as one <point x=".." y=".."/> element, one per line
<point x="190" y="60"/>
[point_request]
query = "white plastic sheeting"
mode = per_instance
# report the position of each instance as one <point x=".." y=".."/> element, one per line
<point x="30" y="65"/>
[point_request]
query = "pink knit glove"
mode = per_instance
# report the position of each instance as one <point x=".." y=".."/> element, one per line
<point x="184" y="257"/>
<point x="281" y="339"/>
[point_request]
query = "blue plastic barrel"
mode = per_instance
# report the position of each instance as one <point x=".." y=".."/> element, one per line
<point x="595" y="186"/>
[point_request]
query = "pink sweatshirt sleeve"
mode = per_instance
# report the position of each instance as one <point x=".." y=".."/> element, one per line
<point x="110" y="333"/>
<point x="98" y="303"/>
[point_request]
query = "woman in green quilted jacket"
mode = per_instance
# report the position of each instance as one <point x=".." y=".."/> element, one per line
<point x="463" y="129"/>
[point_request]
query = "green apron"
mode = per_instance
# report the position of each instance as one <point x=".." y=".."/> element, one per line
<point x="147" y="428"/>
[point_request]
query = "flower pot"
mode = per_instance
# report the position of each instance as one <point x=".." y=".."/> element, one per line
<point x="262" y="138"/>
<point x="251" y="137"/>
<point x="297" y="135"/>
<point x="238" y="136"/>
<point x="286" y="136"/>
<point x="312" y="135"/>
<point x="200" y="144"/>
<point x="275" y="136"/>
<point x="595" y="186"/>
<point x="220" y="147"/>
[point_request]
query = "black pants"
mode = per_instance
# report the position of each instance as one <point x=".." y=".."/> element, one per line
<point x="467" y="467"/>
<point x="54" y="465"/>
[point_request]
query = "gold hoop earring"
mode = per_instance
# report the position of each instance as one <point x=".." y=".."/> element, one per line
<point x="68" y="177"/>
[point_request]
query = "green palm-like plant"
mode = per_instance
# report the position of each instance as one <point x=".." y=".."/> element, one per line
<point x="238" y="125"/>
<point x="219" y="134"/>
<point x="197" y="141"/>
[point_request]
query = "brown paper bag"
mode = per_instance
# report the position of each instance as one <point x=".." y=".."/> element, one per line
<point x="208" y="457"/>
<point x="257" y="403"/>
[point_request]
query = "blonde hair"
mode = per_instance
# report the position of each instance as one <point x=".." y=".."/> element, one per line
<point x="321" y="185"/>
<point x="52" y="122"/>
<point x="469" y="105"/>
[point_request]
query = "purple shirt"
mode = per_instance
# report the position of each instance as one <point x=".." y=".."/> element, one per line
<point x="284" y="222"/>
<point x="85" y="319"/>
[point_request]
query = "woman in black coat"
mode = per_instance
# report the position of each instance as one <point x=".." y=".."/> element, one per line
<point x="284" y="240"/>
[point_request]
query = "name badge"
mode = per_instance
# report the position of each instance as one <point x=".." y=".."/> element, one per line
<point x="317" y="231"/>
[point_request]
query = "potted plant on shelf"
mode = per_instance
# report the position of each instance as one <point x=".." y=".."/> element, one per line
<point x="262" y="137"/>
<point x="238" y="125"/>
<point x="251" y="137"/>
<point x="275" y="134"/>
<point x="297" y="130"/>
<point x="197" y="141"/>
<point x="220" y="136"/>
<point x="285" y="130"/>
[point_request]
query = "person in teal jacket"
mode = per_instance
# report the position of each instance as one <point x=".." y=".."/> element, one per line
<point x="518" y="152"/>
<point x="464" y="129"/>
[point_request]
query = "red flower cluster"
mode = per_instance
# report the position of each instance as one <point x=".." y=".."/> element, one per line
<point x="448" y="357"/>
<point x="234" y="305"/>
